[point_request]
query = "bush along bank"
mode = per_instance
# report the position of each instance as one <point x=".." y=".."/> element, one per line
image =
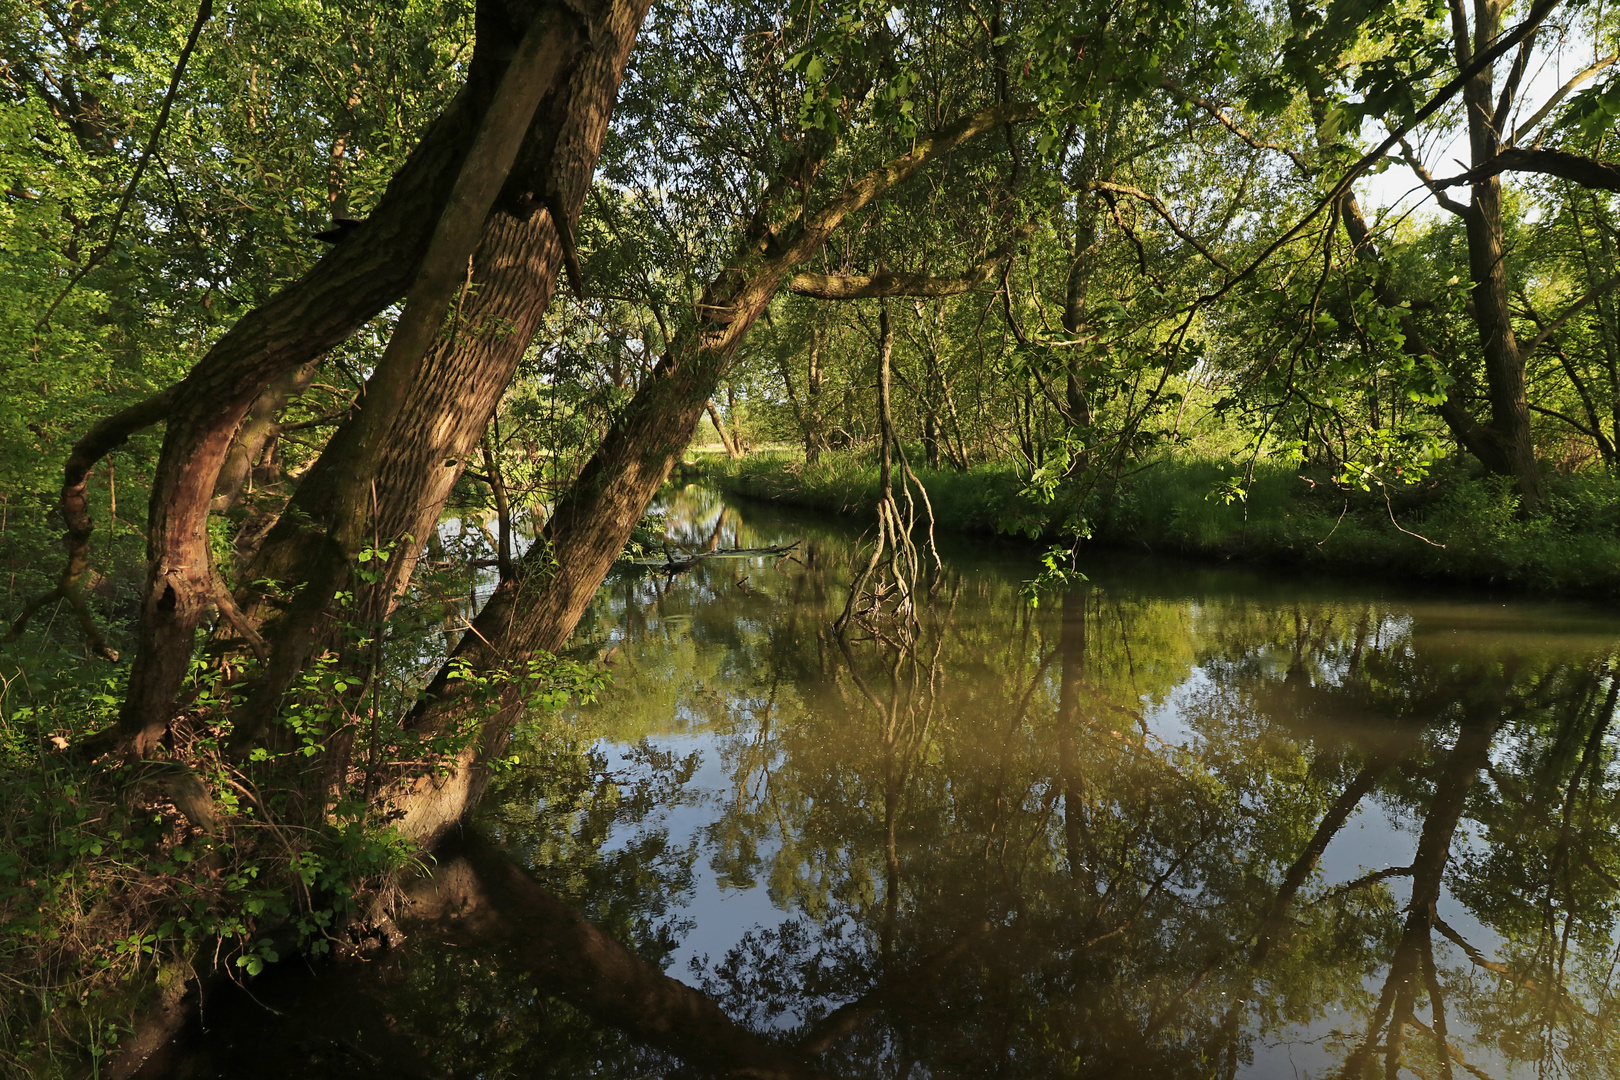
<point x="1453" y="526"/>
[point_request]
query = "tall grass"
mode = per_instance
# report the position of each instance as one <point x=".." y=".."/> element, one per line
<point x="1453" y="526"/>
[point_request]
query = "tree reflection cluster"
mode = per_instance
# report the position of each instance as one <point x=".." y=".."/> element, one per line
<point x="1124" y="833"/>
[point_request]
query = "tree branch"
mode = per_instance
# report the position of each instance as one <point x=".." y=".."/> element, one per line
<point x="1163" y="212"/>
<point x="1585" y="171"/>
<point x="864" y="287"/>
<point x="1532" y="19"/>
<point x="1437" y="190"/>
<point x="1221" y="117"/>
<point x="1559" y="95"/>
<point x="205" y="11"/>
<point x="1553" y="327"/>
<point x="101" y="440"/>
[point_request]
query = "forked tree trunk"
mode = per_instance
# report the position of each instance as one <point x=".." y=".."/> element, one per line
<point x="334" y="543"/>
<point x="460" y="383"/>
<point x="367" y="271"/>
<point x="538" y="608"/>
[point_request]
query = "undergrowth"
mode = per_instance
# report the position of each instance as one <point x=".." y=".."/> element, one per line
<point x="120" y="880"/>
<point x="1454" y="525"/>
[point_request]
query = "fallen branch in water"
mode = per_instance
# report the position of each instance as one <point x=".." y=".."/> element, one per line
<point x="670" y="565"/>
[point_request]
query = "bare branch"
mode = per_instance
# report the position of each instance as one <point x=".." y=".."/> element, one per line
<point x="1222" y="118"/>
<point x="1559" y="95"/>
<point x="1163" y="212"/>
<point x="1437" y="190"/>
<point x="1553" y="327"/>
<point x="1585" y="171"/>
<point x="205" y="11"/>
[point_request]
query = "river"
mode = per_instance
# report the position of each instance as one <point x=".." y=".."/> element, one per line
<point x="1180" y="821"/>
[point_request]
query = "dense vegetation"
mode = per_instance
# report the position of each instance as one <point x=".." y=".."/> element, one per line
<point x="339" y="467"/>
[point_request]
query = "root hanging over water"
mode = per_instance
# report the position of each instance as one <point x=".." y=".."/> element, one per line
<point x="884" y="591"/>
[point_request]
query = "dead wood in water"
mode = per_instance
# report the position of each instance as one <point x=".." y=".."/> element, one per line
<point x="670" y="565"/>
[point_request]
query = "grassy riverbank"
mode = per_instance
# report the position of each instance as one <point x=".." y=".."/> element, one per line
<point x="1454" y="526"/>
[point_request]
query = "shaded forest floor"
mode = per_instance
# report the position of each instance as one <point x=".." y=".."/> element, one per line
<point x="1454" y="526"/>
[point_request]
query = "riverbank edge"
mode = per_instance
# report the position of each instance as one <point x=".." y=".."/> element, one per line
<point x="1453" y="529"/>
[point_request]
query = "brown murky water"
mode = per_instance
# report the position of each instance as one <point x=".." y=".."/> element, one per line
<point x="1181" y="822"/>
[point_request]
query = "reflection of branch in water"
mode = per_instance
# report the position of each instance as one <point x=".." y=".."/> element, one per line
<point x="477" y="895"/>
<point x="1552" y="994"/>
<point x="1451" y="1051"/>
<point x="905" y="712"/>
<point x="1362" y="882"/>
<point x="849" y="1016"/>
<point x="1266" y="935"/>
<point x="1469" y="755"/>
<point x="671" y="565"/>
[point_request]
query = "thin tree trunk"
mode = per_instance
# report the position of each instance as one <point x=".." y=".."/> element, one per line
<point x="503" y="508"/>
<point x="720" y="429"/>
<point x="1487" y="262"/>
<point x="814" y="438"/>
<point x="885" y="412"/>
<point x="736" y="422"/>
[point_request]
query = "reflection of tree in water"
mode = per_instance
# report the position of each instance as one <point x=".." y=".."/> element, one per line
<point x="1065" y="894"/>
<point x="1083" y="840"/>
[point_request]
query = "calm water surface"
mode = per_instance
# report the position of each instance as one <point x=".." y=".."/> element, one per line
<point x="1180" y="822"/>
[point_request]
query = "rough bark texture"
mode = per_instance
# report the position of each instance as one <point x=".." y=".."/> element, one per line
<point x="369" y="269"/>
<point x="462" y="378"/>
<point x="258" y="431"/>
<point x="535" y="69"/>
<point x="538" y="608"/>
<point x="1504" y="365"/>
<point x="1585" y="171"/>
<point x="355" y="281"/>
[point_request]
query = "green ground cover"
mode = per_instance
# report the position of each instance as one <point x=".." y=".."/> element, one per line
<point x="1454" y="526"/>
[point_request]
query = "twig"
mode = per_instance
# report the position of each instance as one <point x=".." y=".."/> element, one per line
<point x="1397" y="524"/>
<point x="205" y="11"/>
<point x="1335" y="528"/>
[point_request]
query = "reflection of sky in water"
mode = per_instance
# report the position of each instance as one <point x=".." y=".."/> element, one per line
<point x="1377" y="836"/>
<point x="722" y="914"/>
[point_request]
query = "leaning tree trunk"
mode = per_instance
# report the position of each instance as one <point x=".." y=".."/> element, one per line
<point x="539" y="606"/>
<point x="367" y="271"/>
<point x="460" y="383"/>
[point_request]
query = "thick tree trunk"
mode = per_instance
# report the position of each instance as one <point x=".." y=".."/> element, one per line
<point x="538" y="608"/>
<point x="328" y="562"/>
<point x="1505" y="446"/>
<point x="460" y="383"/>
<point x="1504" y="365"/>
<point x="367" y="271"/>
<point x="362" y="275"/>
